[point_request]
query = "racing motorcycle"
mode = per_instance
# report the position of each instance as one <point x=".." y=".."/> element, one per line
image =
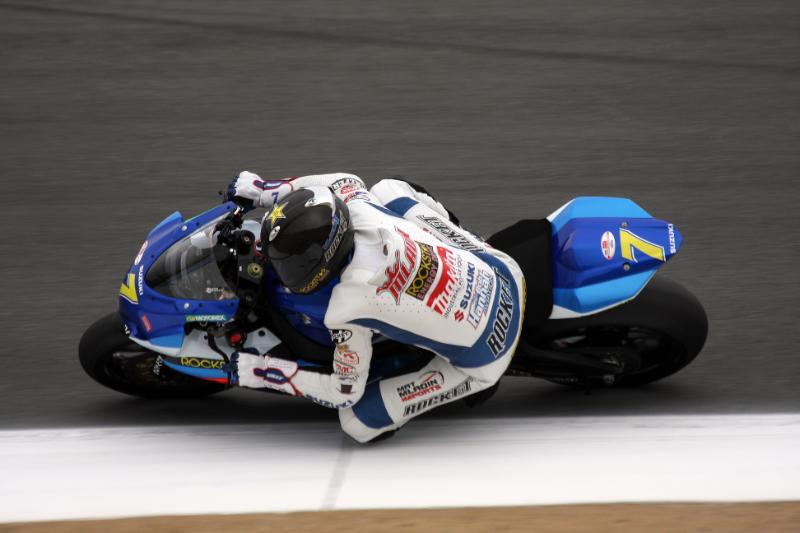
<point x="596" y="315"/>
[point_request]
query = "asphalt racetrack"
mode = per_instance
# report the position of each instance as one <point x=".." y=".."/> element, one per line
<point x="115" y="113"/>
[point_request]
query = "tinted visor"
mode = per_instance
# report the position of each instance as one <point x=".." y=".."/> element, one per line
<point x="296" y="252"/>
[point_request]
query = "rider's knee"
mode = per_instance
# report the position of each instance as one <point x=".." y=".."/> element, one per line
<point x="358" y="430"/>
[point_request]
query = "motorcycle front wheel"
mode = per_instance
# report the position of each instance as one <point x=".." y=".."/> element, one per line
<point x="116" y="362"/>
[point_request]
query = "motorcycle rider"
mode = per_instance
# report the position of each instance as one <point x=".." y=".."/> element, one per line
<point x="406" y="271"/>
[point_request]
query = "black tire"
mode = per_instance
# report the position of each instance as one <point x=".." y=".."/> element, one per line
<point x="116" y="362"/>
<point x="654" y="335"/>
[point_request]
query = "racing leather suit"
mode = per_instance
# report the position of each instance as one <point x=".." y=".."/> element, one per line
<point x="416" y="278"/>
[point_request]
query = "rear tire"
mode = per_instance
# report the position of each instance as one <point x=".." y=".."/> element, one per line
<point x="654" y="335"/>
<point x="116" y="362"/>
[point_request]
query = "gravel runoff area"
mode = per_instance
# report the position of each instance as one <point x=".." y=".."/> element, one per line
<point x="778" y="517"/>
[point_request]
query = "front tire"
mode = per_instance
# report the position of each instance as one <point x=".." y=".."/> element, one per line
<point x="651" y="337"/>
<point x="116" y="362"/>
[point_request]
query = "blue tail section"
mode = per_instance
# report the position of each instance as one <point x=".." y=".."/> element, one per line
<point x="605" y="250"/>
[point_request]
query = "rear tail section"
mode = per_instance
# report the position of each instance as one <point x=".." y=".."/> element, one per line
<point x="603" y="252"/>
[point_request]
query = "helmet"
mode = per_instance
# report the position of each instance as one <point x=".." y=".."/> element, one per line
<point x="308" y="238"/>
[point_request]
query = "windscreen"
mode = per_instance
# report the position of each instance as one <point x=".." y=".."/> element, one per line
<point x="188" y="269"/>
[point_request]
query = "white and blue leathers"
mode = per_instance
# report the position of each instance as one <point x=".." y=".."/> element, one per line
<point x="415" y="277"/>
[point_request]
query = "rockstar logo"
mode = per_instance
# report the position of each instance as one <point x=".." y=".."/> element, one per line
<point x="276" y="213"/>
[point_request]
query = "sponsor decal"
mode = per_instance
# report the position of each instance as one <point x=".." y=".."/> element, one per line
<point x="126" y="329"/>
<point x="458" y="316"/>
<point x="450" y="235"/>
<point x="140" y="254"/>
<point x="340" y="336"/>
<point x="359" y="195"/>
<point x="337" y="238"/>
<point x="425" y="384"/>
<point x="146" y="322"/>
<point x="157" y="365"/>
<point x="441" y="298"/>
<point x="127" y="289"/>
<point x="342" y="369"/>
<point x="272" y="375"/>
<point x="315" y="281"/>
<point x="206" y="318"/>
<point x="483" y="298"/>
<point x="397" y="275"/>
<point x="671" y="235"/>
<point x="196" y="362"/>
<point x="275" y="214"/>
<point x="331" y="405"/>
<point x="502" y="317"/>
<point x="347" y="358"/>
<point x="452" y="394"/>
<point x="470" y="289"/>
<point x="346" y="388"/>
<point x="348" y="188"/>
<point x="425" y="274"/>
<point x="140" y="283"/>
<point x="340" y="184"/>
<point x="608" y="244"/>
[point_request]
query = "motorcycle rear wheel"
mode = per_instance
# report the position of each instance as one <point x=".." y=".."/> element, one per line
<point x="651" y="337"/>
<point x="109" y="357"/>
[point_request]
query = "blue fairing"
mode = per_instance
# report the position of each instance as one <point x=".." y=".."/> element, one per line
<point x="153" y="317"/>
<point x="605" y="250"/>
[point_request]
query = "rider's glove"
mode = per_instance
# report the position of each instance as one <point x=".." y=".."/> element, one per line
<point x="262" y="372"/>
<point x="249" y="190"/>
<point x="245" y="190"/>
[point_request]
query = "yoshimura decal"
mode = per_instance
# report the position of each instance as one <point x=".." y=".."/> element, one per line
<point x="454" y="237"/>
<point x="426" y="272"/>
<point x="452" y="394"/>
<point x="502" y="317"/>
<point x="397" y="275"/>
<point x="340" y="336"/>
<point x="425" y="384"/>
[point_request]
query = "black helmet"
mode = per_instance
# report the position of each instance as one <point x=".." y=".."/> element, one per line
<point x="308" y="237"/>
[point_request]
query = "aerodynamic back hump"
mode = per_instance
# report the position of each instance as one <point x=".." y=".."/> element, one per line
<point x="604" y="251"/>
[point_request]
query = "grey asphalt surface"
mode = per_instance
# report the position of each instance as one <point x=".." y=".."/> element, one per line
<point x="115" y="113"/>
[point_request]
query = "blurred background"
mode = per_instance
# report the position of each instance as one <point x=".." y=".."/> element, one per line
<point x="115" y="113"/>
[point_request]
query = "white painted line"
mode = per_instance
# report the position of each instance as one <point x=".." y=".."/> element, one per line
<point x="101" y="472"/>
